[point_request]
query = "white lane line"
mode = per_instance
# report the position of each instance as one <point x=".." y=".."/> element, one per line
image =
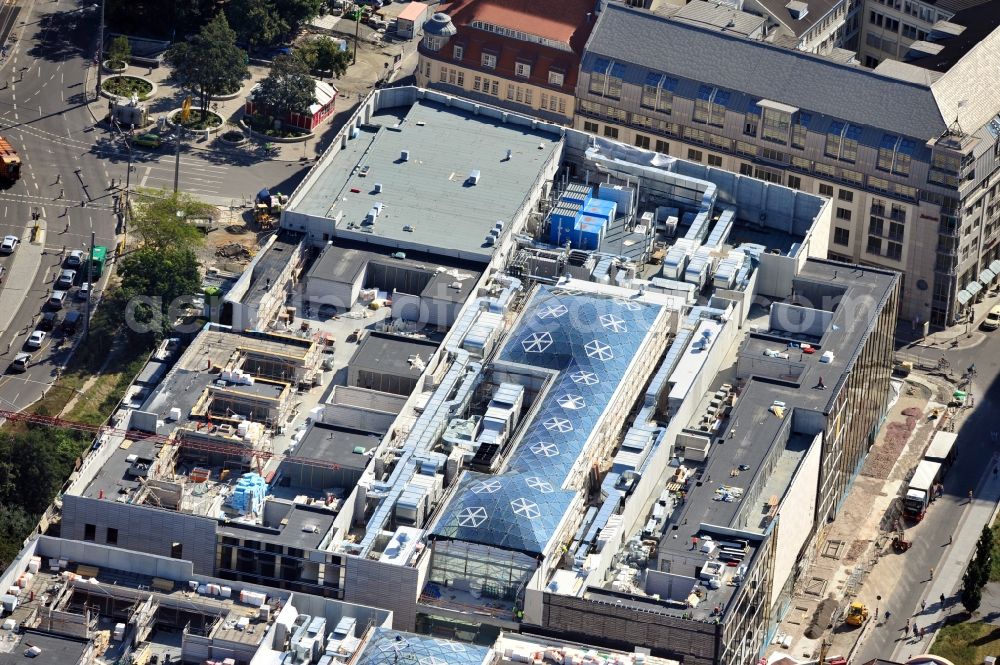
<point x="145" y="177"/>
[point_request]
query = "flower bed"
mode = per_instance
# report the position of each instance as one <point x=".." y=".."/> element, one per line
<point x="198" y="119"/>
<point x="125" y="86"/>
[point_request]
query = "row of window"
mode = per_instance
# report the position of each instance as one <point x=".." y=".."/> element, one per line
<point x="516" y="93"/>
<point x="488" y="60"/>
<point x="520" y="35"/>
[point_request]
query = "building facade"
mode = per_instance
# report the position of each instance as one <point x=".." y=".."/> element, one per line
<point x="914" y="191"/>
<point x="515" y="54"/>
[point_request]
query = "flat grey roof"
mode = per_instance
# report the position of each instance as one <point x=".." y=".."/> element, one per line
<point x="270" y="266"/>
<point x="293" y="531"/>
<point x="390" y="354"/>
<point x="56" y="649"/>
<point x="761" y="70"/>
<point x="111" y="477"/>
<point x="336" y="444"/>
<point x="430" y="192"/>
<point x="755" y="430"/>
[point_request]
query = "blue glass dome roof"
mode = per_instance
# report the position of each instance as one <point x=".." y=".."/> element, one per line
<point x="391" y="647"/>
<point x="590" y="340"/>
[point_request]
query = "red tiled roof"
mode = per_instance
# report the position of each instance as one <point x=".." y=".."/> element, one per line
<point x="560" y="20"/>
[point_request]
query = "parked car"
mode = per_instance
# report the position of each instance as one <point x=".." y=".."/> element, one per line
<point x="75" y="258"/>
<point x="49" y="321"/>
<point x="992" y="320"/>
<point x="71" y="322"/>
<point x="9" y="244"/>
<point x="57" y="299"/>
<point x="66" y="279"/>
<point x="84" y="291"/>
<point x="36" y="339"/>
<point x="20" y="362"/>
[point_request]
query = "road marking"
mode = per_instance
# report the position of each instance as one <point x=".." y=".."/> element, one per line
<point x="145" y="177"/>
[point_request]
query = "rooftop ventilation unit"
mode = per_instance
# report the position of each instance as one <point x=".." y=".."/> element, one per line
<point x="473" y="177"/>
<point x="378" y="188"/>
<point x="797" y="9"/>
<point x="510" y="154"/>
<point x="404" y="156"/>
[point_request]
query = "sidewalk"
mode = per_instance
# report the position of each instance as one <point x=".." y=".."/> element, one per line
<point x="20" y="276"/>
<point x="955" y="337"/>
<point x="948" y="579"/>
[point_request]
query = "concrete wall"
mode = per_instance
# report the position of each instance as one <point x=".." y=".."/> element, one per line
<point x="362" y="409"/>
<point x="796" y="517"/>
<point x="797" y="319"/>
<point x="320" y="291"/>
<point x="143" y="529"/>
<point x="617" y="625"/>
<point x="388" y="586"/>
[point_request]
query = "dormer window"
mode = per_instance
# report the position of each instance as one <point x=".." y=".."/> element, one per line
<point x="459" y="52"/>
<point x="556" y="77"/>
<point x="489" y="60"/>
<point x="433" y="42"/>
<point x="522" y="69"/>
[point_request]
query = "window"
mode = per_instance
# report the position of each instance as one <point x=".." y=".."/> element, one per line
<point x="874" y="246"/>
<point x="556" y="77"/>
<point x="896" y="231"/>
<point x="794" y="181"/>
<point x="894" y="251"/>
<point x="489" y="60"/>
<point x="845" y="195"/>
<point x="876" y="226"/>
<point x="801" y="163"/>
<point x="744" y="148"/>
<point x="694" y="155"/>
<point x="427" y="70"/>
<point x="89" y="532"/>
<point x="443" y="75"/>
<point x="433" y="42"/>
<point x="658" y="93"/>
<point x="510" y="92"/>
<point x="715" y="160"/>
<point x="841" y="236"/>
<point x="458" y="52"/>
<point x="844" y="214"/>
<point x="800" y="129"/>
<point x="112" y="538"/>
<point x="522" y="69"/>
<point x="662" y="147"/>
<point x="878" y="184"/>
<point x="710" y="106"/>
<point x="773" y="155"/>
<point x="176" y="551"/>
<point x="519" y="92"/>
<point x="825" y="169"/>
<point x="693" y="134"/>
<point x="527" y="96"/>
<point x="611" y="132"/>
<point x="842" y="141"/>
<point x="875" y="18"/>
<point x="767" y="175"/>
<point x="494" y="85"/>
<point x="746" y="169"/>
<point x="775" y="126"/>
<point x="606" y="78"/>
<point x="751" y="119"/>
<point x="476" y="82"/>
<point x="461" y="78"/>
<point x="720" y="142"/>
<point x="590" y="127"/>
<point x="852" y="176"/>
<point x="642" y="141"/>
<point x="895" y="154"/>
<point x="891" y="24"/>
<point x="562" y="106"/>
<point x="826" y="190"/>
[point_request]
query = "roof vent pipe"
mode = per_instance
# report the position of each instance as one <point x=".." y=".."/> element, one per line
<point x="404" y="156"/>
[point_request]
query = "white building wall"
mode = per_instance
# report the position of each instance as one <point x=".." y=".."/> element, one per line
<point x="796" y="517"/>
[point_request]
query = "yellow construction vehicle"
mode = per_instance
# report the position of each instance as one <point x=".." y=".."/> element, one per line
<point x="857" y="614"/>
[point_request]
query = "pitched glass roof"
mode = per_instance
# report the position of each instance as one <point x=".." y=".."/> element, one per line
<point x="513" y="511"/>
<point x="590" y="340"/>
<point x="391" y="647"/>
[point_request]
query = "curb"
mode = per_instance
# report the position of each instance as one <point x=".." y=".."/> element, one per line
<point x="275" y="139"/>
<point x="113" y="97"/>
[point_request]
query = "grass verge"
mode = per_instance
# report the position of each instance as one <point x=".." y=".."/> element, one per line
<point x="967" y="643"/>
<point x="995" y="555"/>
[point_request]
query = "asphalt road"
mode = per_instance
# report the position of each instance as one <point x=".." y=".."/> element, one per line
<point x="68" y="159"/>
<point x="976" y="446"/>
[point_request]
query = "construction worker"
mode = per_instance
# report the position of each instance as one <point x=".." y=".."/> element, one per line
<point x="942" y="601"/>
<point x="932" y="574"/>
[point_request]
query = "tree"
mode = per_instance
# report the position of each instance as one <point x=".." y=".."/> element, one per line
<point x="210" y="63"/>
<point x="297" y="12"/>
<point x="256" y="22"/>
<point x="152" y="284"/>
<point x="159" y="226"/>
<point x="324" y="55"/>
<point x="288" y="87"/>
<point x="977" y="574"/>
<point x="119" y="52"/>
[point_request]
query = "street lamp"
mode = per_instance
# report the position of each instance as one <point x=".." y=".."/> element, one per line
<point x="100" y="50"/>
